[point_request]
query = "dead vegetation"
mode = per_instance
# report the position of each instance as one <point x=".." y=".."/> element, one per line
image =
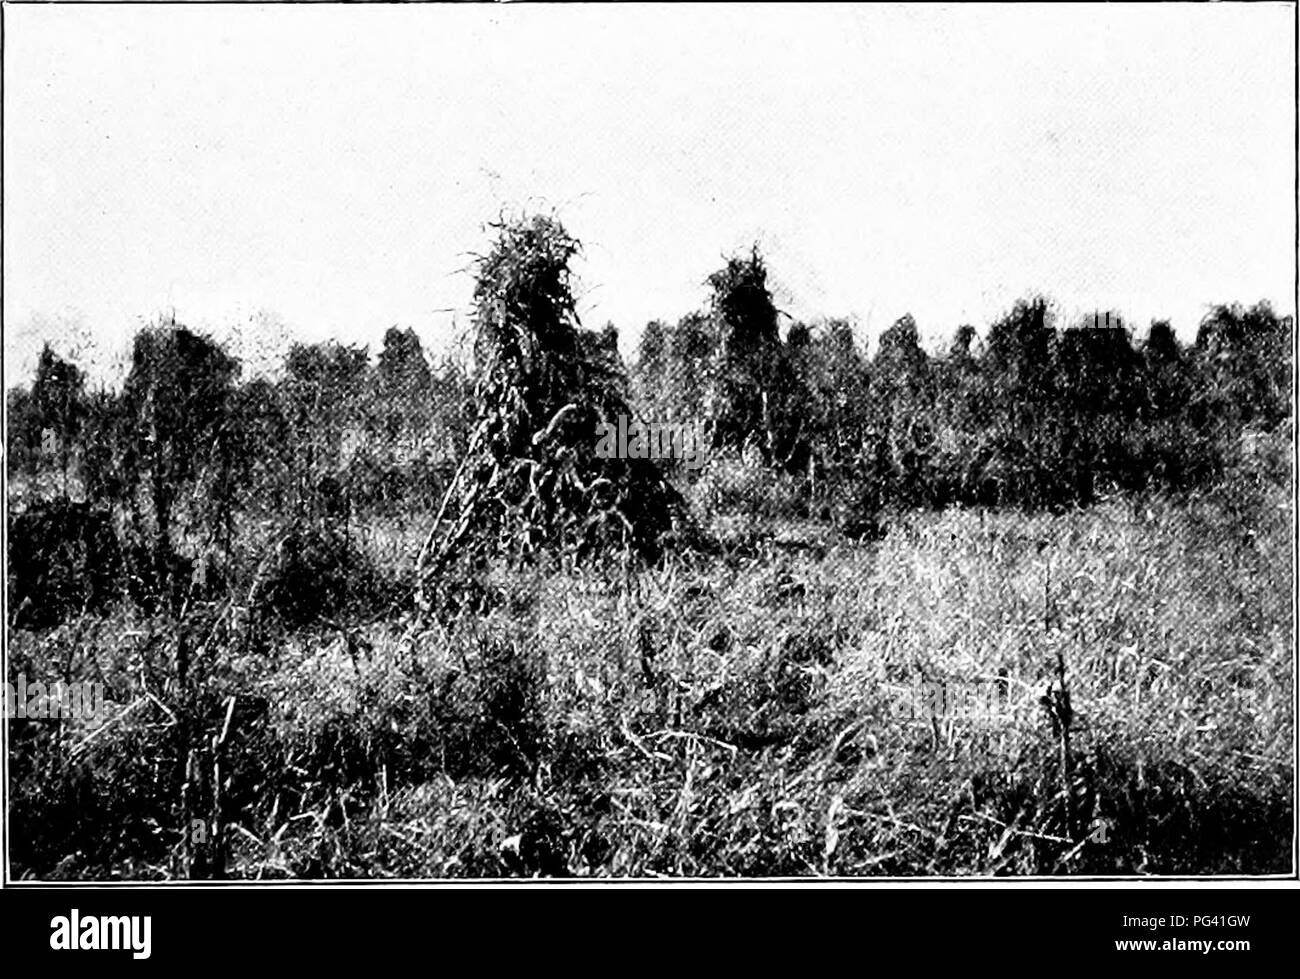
<point x="530" y="482"/>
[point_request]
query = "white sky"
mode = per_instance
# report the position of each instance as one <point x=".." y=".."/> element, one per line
<point x="307" y="172"/>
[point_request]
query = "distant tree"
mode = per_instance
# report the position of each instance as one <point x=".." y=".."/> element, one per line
<point x="1016" y="452"/>
<point x="323" y="396"/>
<point x="23" y="437"/>
<point x="839" y="381"/>
<point x="652" y="349"/>
<point x="1245" y="358"/>
<point x="602" y="347"/>
<point x="263" y="445"/>
<point x="790" y="411"/>
<point x="1166" y="450"/>
<point x="59" y="400"/>
<point x="1098" y="394"/>
<point x="671" y="375"/>
<point x="105" y="446"/>
<point x="1161" y="347"/>
<point x="453" y="399"/>
<point x="175" y="407"/>
<point x="959" y="351"/>
<point x="902" y="413"/>
<point x="692" y="357"/>
<point x="962" y="420"/>
<point x="1018" y="348"/>
<point x="649" y="373"/>
<point x="403" y="371"/>
<point x="745" y="321"/>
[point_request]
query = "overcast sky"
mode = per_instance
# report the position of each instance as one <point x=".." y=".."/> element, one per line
<point x="306" y="172"/>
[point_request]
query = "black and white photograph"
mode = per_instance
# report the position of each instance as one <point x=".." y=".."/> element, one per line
<point x="648" y="443"/>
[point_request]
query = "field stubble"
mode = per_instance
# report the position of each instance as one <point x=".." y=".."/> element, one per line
<point x="726" y="714"/>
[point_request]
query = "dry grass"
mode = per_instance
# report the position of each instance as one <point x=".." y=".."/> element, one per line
<point x="734" y="714"/>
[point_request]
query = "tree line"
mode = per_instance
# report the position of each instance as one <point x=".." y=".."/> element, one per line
<point x="1031" y="414"/>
